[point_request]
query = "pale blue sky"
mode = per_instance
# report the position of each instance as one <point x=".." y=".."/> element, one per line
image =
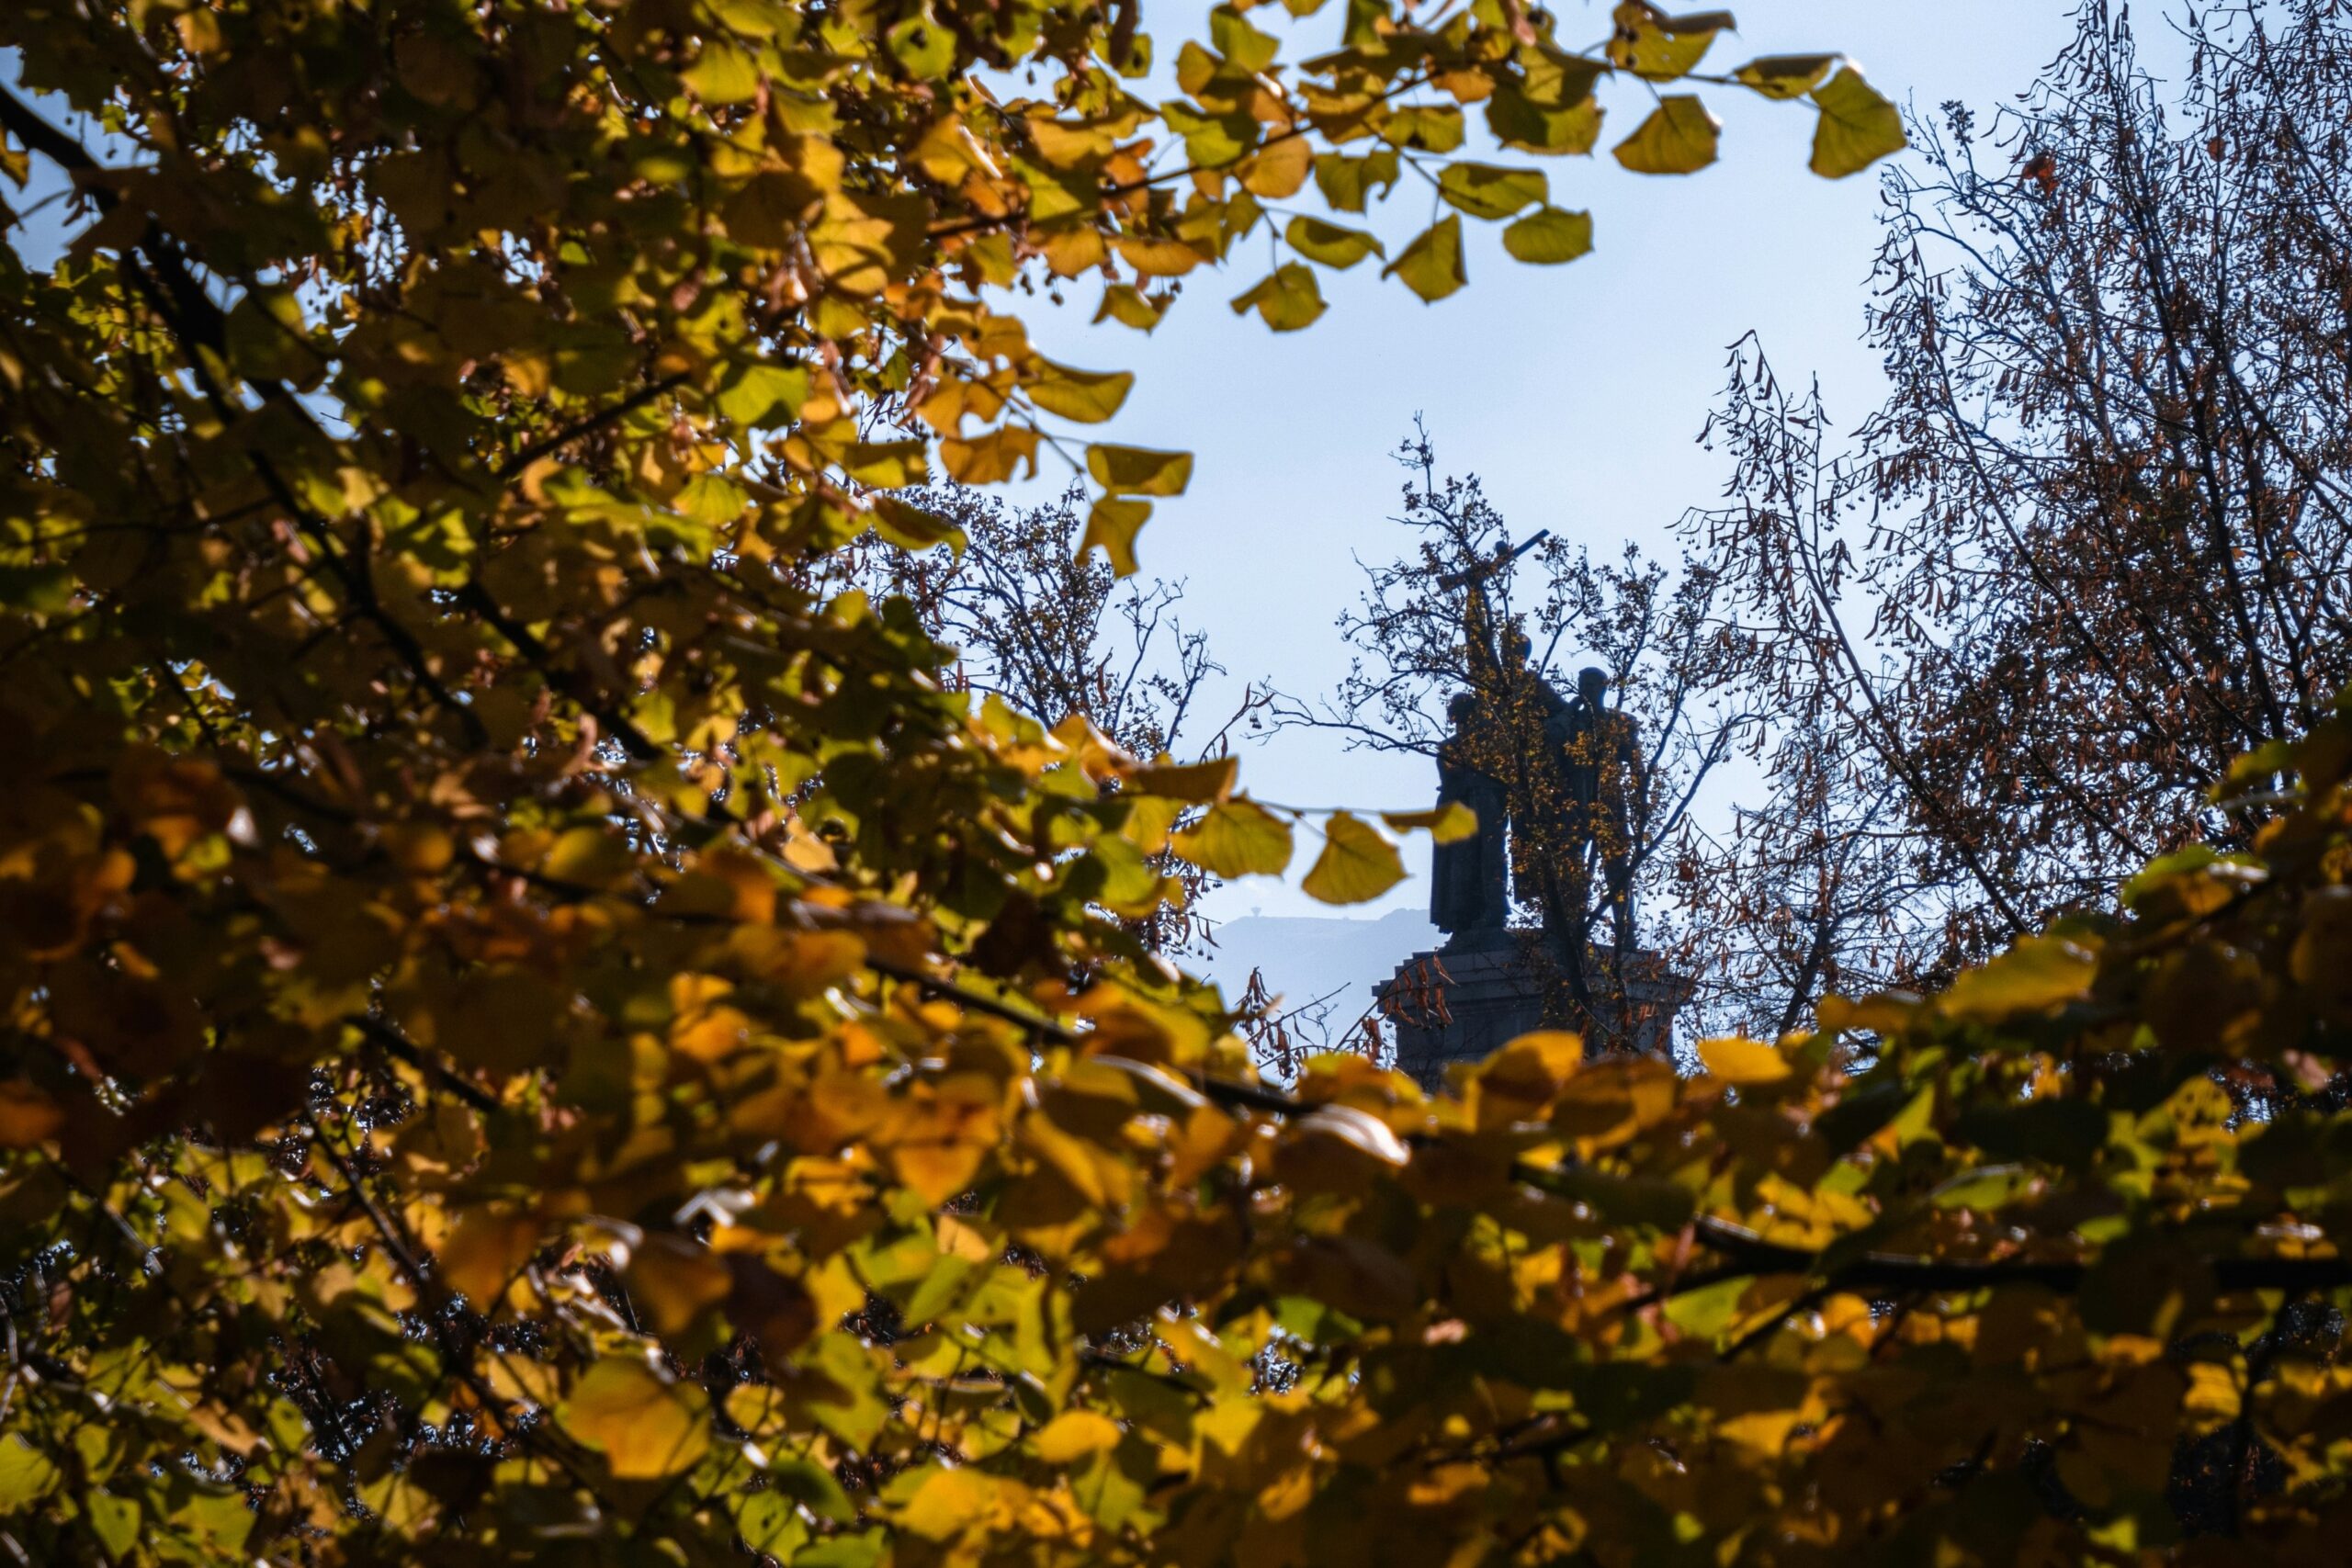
<point x="1576" y="393"/>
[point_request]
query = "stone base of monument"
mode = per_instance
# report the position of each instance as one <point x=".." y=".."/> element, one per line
<point x="1468" y="998"/>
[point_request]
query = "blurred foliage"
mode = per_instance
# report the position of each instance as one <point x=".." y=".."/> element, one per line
<point x="534" y="1035"/>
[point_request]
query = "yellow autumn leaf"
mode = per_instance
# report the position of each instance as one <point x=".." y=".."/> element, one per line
<point x="1658" y="46"/>
<point x="1449" y="823"/>
<point x="648" y="1427"/>
<point x="485" y="1249"/>
<point x="2038" y="973"/>
<point x="1085" y="396"/>
<point x="1199" y="784"/>
<point x="1357" y="866"/>
<point x="1112" y="524"/>
<point x="1138" y="471"/>
<point x="1743" y="1061"/>
<point x="1236" y="837"/>
<point x="1678" y="138"/>
<point x="1073" y="1435"/>
<point x="1858" y="126"/>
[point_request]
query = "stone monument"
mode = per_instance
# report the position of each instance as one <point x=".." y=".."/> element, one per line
<point x="1487" y="983"/>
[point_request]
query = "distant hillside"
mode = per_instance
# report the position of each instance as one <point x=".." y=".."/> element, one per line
<point x="1305" y="958"/>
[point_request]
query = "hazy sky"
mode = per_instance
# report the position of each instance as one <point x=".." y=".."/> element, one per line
<point x="1575" y="391"/>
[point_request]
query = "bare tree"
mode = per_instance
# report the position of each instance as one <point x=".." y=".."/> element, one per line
<point x="2093" y="546"/>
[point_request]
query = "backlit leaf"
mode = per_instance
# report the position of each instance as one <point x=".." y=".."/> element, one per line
<point x="1236" y="837"/>
<point x="1286" y="300"/>
<point x="1348" y="183"/>
<point x="1431" y="265"/>
<point x="1127" y="305"/>
<point x="1743" y="1061"/>
<point x="1659" y="47"/>
<point x="723" y="72"/>
<point x="1485" y="190"/>
<point x="1450" y="823"/>
<point x="1111" y="525"/>
<point x="647" y="1426"/>
<point x="2037" y="974"/>
<point x="1549" y="237"/>
<point x="925" y="48"/>
<point x="1858" y="126"/>
<point x="1786" y="75"/>
<point x="1357" y="866"/>
<point x="1195" y="782"/>
<point x="1073" y="1435"/>
<point x="1530" y="124"/>
<point x="1678" y="138"/>
<point x="1137" y="470"/>
<point x="1329" y="244"/>
<point x="1088" y="396"/>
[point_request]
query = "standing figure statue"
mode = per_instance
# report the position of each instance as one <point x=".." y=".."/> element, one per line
<point x="1467" y="898"/>
<point x="1551" y="816"/>
<point x="1600" y="758"/>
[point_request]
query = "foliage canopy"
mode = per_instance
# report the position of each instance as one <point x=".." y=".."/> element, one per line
<point x="533" y="1035"/>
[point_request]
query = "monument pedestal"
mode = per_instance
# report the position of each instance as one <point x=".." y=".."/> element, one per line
<point x="1470" y="998"/>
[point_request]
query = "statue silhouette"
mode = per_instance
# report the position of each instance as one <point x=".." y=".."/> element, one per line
<point x="1466" y="892"/>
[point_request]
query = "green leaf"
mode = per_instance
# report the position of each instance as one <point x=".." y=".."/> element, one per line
<point x="1132" y="888"/>
<point x="1520" y="120"/>
<point x="723" y="72"/>
<point x="1784" y="76"/>
<point x="114" y="1520"/>
<point x="1243" y="46"/>
<point x="2038" y="975"/>
<point x="1085" y="397"/>
<point x="760" y="396"/>
<point x="26" y="1474"/>
<point x="43" y="590"/>
<point x="1129" y="306"/>
<point x="771" y="1523"/>
<point x="1432" y="265"/>
<point x="1659" y="48"/>
<point x="1986" y="1188"/>
<point x="1139" y="471"/>
<point x="923" y="47"/>
<point x="887" y="465"/>
<point x="1211" y="141"/>
<point x="911" y="528"/>
<point x="713" y="499"/>
<point x="1488" y="191"/>
<point x="1706" y="1312"/>
<point x="1357" y="866"/>
<point x="1549" y="237"/>
<point x="811" y="1484"/>
<point x="1858" y="127"/>
<point x="1429" y="127"/>
<point x="1236" y="837"/>
<point x="1286" y="300"/>
<point x="1678" y="138"/>
<point x="1113" y="524"/>
<point x="1348" y="183"/>
<point x="1329" y="244"/>
<point x="2055" y="1131"/>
